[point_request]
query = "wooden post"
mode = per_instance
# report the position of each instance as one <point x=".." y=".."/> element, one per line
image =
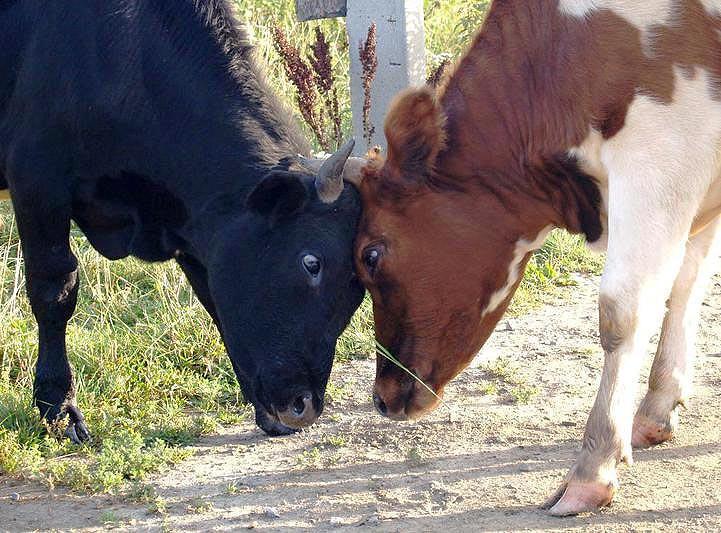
<point x="401" y="53"/>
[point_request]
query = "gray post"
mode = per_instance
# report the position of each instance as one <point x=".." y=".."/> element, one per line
<point x="320" y="9"/>
<point x="400" y="50"/>
<point x="401" y="58"/>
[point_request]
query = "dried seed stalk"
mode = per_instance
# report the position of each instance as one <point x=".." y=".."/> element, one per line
<point x="369" y="61"/>
<point x="301" y="76"/>
<point x="322" y="62"/>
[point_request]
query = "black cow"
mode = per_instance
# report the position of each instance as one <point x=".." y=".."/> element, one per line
<point x="149" y="124"/>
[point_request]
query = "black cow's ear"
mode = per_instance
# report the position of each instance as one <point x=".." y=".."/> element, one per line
<point x="279" y="195"/>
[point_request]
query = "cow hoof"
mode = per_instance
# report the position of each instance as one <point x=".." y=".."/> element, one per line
<point x="574" y="498"/>
<point x="272" y="427"/>
<point x="647" y="433"/>
<point x="76" y="430"/>
<point x="78" y="433"/>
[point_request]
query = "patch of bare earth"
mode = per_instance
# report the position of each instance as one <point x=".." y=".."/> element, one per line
<point x="485" y="465"/>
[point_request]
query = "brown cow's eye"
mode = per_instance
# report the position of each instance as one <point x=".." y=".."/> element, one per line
<point x="371" y="257"/>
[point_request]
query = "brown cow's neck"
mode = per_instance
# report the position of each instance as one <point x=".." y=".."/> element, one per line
<point x="510" y="124"/>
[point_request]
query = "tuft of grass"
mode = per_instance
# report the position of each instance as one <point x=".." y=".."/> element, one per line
<point x="158" y="506"/>
<point x="336" y="441"/>
<point x="523" y="394"/>
<point x="232" y="488"/>
<point x="110" y="518"/>
<point x="505" y="380"/>
<point x="311" y="458"/>
<point x="488" y="388"/>
<point x="415" y="455"/>
<point x="199" y="506"/>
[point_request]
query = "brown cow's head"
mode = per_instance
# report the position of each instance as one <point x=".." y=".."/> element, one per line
<point x="440" y="258"/>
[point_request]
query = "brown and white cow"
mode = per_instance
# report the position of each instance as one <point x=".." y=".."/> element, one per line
<point x="602" y="117"/>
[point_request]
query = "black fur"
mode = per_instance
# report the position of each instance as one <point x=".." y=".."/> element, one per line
<point x="149" y="124"/>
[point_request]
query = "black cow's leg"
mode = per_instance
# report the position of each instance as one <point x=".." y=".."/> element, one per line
<point x="198" y="278"/>
<point x="43" y="217"/>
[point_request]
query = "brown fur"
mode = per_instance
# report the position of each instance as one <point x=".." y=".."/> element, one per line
<point x="482" y="163"/>
<point x="415" y="129"/>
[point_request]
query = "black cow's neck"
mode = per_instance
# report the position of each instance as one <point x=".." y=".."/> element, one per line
<point x="220" y="128"/>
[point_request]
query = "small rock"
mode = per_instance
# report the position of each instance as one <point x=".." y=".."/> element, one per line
<point x="252" y="525"/>
<point x="15" y="497"/>
<point x="336" y="521"/>
<point x="507" y="326"/>
<point x="271" y="512"/>
<point x="568" y="424"/>
<point x="372" y="521"/>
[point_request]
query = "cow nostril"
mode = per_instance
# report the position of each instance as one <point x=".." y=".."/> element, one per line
<point x="300" y="404"/>
<point x="380" y="405"/>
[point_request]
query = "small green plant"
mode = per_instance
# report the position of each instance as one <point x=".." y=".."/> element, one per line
<point x="505" y="379"/>
<point x="310" y="458"/>
<point x="523" y="394"/>
<point x="336" y="441"/>
<point x="415" y="455"/>
<point x="502" y="370"/>
<point x="335" y="393"/>
<point x="141" y="492"/>
<point x="488" y="388"/>
<point x="199" y="506"/>
<point x="158" y="506"/>
<point x="109" y="518"/>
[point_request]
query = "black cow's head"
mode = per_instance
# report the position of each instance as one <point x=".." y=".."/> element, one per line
<point x="282" y="279"/>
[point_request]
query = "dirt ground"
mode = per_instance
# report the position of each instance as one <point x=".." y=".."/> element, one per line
<point x="485" y="464"/>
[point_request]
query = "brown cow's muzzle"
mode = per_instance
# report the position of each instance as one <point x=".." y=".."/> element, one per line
<point x="403" y="398"/>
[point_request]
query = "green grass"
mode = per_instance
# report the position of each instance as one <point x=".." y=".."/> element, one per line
<point x="503" y="379"/>
<point x="151" y="372"/>
<point x="551" y="268"/>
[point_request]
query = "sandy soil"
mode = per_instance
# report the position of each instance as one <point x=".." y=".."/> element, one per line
<point x="484" y="465"/>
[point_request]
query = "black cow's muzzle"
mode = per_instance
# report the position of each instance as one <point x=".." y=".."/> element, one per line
<point x="301" y="412"/>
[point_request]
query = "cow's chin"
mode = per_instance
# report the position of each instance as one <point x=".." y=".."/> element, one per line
<point x="422" y="402"/>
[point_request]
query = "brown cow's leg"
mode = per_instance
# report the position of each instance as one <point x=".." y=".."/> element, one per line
<point x="631" y="306"/>
<point x="651" y="212"/>
<point x="671" y="378"/>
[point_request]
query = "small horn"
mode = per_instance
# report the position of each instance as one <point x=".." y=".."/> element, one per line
<point x="351" y="172"/>
<point x="329" y="182"/>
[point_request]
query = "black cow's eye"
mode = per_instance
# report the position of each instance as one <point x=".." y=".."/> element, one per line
<point x="312" y="264"/>
<point x="371" y="257"/>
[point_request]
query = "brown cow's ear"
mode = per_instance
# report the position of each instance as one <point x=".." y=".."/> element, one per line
<point x="415" y="129"/>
